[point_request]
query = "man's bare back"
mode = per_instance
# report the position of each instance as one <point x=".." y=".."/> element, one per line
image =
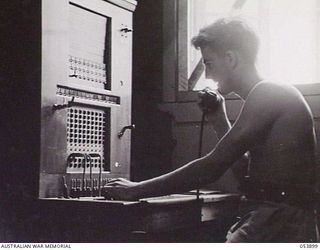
<point x="284" y="153"/>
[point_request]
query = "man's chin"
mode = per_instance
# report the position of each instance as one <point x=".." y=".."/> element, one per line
<point x="223" y="91"/>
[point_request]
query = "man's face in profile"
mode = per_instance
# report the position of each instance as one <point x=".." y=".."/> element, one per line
<point x="216" y="69"/>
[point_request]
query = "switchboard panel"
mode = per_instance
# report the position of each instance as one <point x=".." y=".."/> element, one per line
<point x="86" y="95"/>
<point x="90" y="47"/>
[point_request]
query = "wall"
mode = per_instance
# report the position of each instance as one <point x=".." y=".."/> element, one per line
<point x="20" y="100"/>
<point x="152" y="143"/>
<point x="186" y="131"/>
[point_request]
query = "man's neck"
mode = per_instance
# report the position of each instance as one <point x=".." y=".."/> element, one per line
<point x="246" y="82"/>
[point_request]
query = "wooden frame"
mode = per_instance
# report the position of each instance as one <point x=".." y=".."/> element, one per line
<point x="175" y="58"/>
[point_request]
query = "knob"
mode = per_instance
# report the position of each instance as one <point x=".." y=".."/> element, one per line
<point x="126" y="30"/>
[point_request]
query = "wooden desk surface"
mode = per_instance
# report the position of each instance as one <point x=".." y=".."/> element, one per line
<point x="99" y="220"/>
<point x="156" y="214"/>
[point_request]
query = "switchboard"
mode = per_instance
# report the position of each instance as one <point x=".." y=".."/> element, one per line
<point x="86" y="95"/>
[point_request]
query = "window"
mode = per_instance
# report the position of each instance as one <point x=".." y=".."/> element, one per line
<point x="288" y="31"/>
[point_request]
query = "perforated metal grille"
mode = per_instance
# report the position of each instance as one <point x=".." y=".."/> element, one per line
<point x="86" y="138"/>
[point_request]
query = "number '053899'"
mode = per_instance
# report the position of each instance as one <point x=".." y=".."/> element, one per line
<point x="309" y="245"/>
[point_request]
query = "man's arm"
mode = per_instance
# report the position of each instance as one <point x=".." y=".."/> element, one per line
<point x="221" y="125"/>
<point x="259" y="112"/>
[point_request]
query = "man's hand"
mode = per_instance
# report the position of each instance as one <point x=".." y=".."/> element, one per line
<point x="120" y="189"/>
<point x="210" y="100"/>
<point x="213" y="104"/>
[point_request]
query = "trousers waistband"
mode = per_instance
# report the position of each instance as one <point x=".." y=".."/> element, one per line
<point x="305" y="198"/>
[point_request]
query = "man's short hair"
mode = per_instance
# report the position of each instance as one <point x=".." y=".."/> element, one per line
<point x="229" y="34"/>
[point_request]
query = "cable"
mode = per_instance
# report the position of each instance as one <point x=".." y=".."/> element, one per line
<point x="200" y="143"/>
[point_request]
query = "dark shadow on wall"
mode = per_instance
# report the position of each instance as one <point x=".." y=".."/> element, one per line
<point x="152" y="142"/>
<point x="20" y="100"/>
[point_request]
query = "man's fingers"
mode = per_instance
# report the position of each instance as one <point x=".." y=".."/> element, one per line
<point x="107" y="195"/>
<point x="108" y="192"/>
<point x="112" y="193"/>
<point x="114" y="180"/>
<point x="118" y="183"/>
<point x="112" y="184"/>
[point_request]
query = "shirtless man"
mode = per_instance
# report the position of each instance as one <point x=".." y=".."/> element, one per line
<point x="275" y="126"/>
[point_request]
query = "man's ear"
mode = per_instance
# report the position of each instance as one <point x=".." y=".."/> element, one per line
<point x="231" y="59"/>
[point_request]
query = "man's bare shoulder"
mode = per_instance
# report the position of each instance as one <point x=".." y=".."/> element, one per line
<point x="274" y="95"/>
<point x="274" y="89"/>
<point x="268" y="101"/>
